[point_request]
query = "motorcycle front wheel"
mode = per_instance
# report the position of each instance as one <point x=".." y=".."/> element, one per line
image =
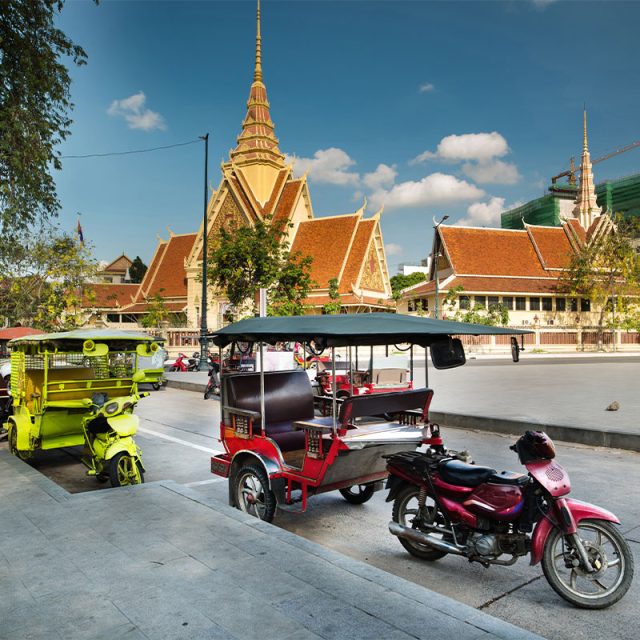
<point x="609" y="556"/>
<point x="406" y="512"/>
<point x="125" y="470"/>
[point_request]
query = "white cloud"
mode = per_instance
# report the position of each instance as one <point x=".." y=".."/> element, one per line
<point x="426" y="87"/>
<point x="492" y="172"/>
<point x="327" y="165"/>
<point x="542" y="4"/>
<point x="434" y="189"/>
<point x="469" y="146"/>
<point x="383" y="176"/>
<point x="133" y="111"/>
<point x="393" y="249"/>
<point x="485" y="214"/>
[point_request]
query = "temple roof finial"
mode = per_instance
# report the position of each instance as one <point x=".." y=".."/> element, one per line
<point x="585" y="146"/>
<point x="257" y="74"/>
<point x="586" y="208"/>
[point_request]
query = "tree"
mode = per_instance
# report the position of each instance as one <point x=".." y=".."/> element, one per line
<point x="606" y="271"/>
<point x="157" y="312"/>
<point x="34" y="109"/>
<point x="137" y="270"/>
<point x="244" y="260"/>
<point x="44" y="278"/>
<point x="334" y="305"/>
<point x="400" y="282"/>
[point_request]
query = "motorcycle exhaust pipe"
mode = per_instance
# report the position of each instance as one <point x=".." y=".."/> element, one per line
<point x="423" y="538"/>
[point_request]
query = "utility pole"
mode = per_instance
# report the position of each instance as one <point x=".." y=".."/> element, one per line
<point x="204" y="352"/>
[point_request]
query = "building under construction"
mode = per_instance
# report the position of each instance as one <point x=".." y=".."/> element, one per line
<point x="614" y="196"/>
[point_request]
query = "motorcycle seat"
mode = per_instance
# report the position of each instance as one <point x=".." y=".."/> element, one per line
<point x="463" y="474"/>
<point x="509" y="477"/>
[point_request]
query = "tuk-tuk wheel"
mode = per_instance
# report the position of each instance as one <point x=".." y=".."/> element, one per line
<point x="13" y="444"/>
<point x="155" y="385"/>
<point x="252" y="493"/>
<point x="125" y="470"/>
<point x="358" y="494"/>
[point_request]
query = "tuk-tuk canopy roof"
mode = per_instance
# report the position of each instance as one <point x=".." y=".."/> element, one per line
<point x="358" y="329"/>
<point x="97" y="335"/>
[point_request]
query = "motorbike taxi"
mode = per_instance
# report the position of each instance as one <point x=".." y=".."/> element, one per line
<point x="80" y="388"/>
<point x="279" y="452"/>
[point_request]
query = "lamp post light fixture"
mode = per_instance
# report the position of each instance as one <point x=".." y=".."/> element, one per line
<point x="204" y="352"/>
<point x="436" y="254"/>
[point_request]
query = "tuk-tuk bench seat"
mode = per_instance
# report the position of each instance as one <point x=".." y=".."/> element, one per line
<point x="288" y="398"/>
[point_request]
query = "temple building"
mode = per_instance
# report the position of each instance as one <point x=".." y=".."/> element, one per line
<point x="257" y="184"/>
<point x="518" y="268"/>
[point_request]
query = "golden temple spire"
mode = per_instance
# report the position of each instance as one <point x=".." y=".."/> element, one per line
<point x="257" y="142"/>
<point x="586" y="208"/>
<point x="257" y="74"/>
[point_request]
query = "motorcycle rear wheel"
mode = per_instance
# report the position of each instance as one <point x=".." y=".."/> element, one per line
<point x="405" y="512"/>
<point x="608" y="553"/>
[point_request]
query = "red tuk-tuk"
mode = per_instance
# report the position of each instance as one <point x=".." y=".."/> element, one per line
<point x="278" y="452"/>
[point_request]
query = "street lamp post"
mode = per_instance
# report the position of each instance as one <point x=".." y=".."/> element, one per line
<point x="203" y="305"/>
<point x="435" y="256"/>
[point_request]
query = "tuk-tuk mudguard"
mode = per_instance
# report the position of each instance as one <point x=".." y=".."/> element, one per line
<point x="23" y="428"/>
<point x="124" y="444"/>
<point x="270" y="466"/>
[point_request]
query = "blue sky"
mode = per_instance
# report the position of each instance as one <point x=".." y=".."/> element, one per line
<point x="432" y="108"/>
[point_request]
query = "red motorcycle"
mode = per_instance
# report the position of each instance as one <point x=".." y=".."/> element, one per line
<point x="444" y="505"/>
<point x="181" y="363"/>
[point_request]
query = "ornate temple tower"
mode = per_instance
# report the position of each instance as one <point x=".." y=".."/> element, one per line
<point x="586" y="209"/>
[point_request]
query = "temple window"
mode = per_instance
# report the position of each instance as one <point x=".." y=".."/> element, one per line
<point x="465" y="302"/>
<point x="481" y="300"/>
<point x="561" y="304"/>
<point x="546" y="304"/>
<point x="521" y="303"/>
<point x="534" y="303"/>
<point x="585" y="304"/>
<point x="573" y="304"/>
<point x="492" y="301"/>
<point x="507" y="302"/>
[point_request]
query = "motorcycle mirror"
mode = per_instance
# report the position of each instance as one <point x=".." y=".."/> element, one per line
<point x="515" y="349"/>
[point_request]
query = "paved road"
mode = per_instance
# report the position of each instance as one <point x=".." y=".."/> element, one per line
<point x="179" y="429"/>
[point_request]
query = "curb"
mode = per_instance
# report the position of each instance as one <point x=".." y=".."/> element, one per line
<point x="566" y="433"/>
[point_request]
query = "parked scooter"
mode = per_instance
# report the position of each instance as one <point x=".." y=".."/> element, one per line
<point x="181" y="363"/>
<point x="442" y="505"/>
<point x="193" y="363"/>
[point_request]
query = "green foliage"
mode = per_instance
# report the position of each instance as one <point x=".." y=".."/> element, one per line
<point x="400" y="282"/>
<point x="157" y="312"/>
<point x="34" y="107"/>
<point x="43" y="280"/>
<point x="334" y="306"/>
<point x="496" y="314"/>
<point x="609" y="269"/>
<point x="244" y="260"/>
<point x="137" y="270"/>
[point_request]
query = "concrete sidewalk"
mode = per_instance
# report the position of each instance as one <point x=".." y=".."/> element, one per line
<point x="567" y="401"/>
<point x="158" y="561"/>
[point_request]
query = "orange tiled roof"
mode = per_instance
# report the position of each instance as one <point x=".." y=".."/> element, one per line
<point x="327" y="241"/>
<point x="283" y="210"/>
<point x="578" y="229"/>
<point x="18" y="332"/>
<point x="357" y="255"/>
<point x="491" y="252"/>
<point x="167" y="275"/>
<point x="553" y="245"/>
<point x="109" y="296"/>
<point x="478" y="284"/>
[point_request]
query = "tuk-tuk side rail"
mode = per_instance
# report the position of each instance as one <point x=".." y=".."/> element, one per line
<point x="242" y="421"/>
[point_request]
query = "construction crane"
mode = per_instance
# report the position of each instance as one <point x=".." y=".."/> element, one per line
<point x="572" y="169"/>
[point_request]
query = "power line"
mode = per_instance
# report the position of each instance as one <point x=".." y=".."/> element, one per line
<point x="126" y="153"/>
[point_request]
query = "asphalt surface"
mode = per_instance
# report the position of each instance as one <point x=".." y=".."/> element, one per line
<point x="179" y="430"/>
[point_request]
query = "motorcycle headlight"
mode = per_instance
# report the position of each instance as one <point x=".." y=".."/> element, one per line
<point x="111" y="408"/>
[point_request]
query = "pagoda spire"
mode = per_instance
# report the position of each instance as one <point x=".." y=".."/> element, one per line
<point x="586" y="208"/>
<point x="257" y="142"/>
